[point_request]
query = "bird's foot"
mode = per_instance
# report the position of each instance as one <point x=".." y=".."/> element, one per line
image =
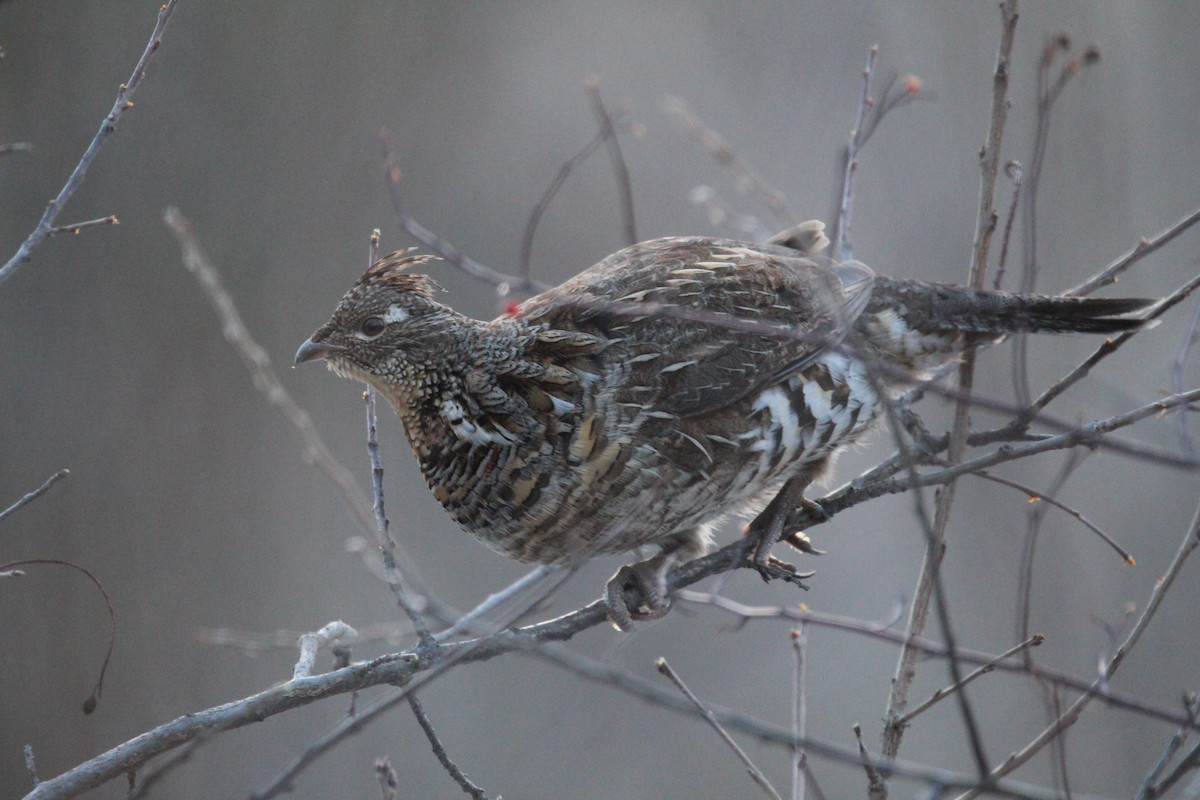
<point x="649" y="577"/>
<point x="766" y="530"/>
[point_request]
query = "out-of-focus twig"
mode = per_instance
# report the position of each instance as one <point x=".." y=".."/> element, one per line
<point x="749" y="182"/>
<point x="16" y="147"/>
<point x="620" y="168"/>
<point x="1048" y="93"/>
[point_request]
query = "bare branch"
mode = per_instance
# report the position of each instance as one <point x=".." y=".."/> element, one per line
<point x="887" y="633"/>
<point x="123" y="103"/>
<point x="560" y="178"/>
<point x="36" y="493"/>
<point x="871" y="111"/>
<point x="941" y="694"/>
<point x="336" y="634"/>
<point x="74" y="229"/>
<point x="448" y="252"/>
<point x="1152" y="787"/>
<point x="620" y="169"/>
<point x="270" y="387"/>
<point x="1143" y="248"/>
<point x="1099" y="687"/>
<point x="89" y="705"/>
<point x="748" y="180"/>
<point x="799" y="712"/>
<point x="440" y="751"/>
<point x="755" y="773"/>
<point x="1035" y="496"/>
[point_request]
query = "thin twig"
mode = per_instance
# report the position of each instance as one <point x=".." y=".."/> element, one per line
<point x="1143" y="248"/>
<point x="123" y="103"/>
<point x="543" y="203"/>
<point x="1048" y="93"/>
<point x="620" y="168"/>
<point x="384" y="540"/>
<point x="875" y="781"/>
<point x="1189" y="763"/>
<point x="755" y="773"/>
<point x="941" y="694"/>
<point x="36" y="493"/>
<point x="748" y="181"/>
<point x="440" y="751"/>
<point x="271" y="388"/>
<point x="143" y="784"/>
<point x="93" y="699"/>
<point x="1014" y="171"/>
<point x="1110" y="346"/>
<point x="1035" y="496"/>
<point x="1191" y="335"/>
<point x="799" y="712"/>
<point x="871" y="111"/>
<point x="74" y="229"/>
<point x="448" y="252"/>
<point x="1151" y="786"/>
<point x="1033" y="527"/>
<point x="850" y="161"/>
<point x="468" y="622"/>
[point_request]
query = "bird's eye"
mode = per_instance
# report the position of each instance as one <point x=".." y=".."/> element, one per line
<point x="372" y="327"/>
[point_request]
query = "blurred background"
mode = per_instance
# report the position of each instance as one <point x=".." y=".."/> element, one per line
<point x="188" y="496"/>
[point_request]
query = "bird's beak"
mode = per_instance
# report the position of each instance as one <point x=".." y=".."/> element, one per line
<point x="312" y="351"/>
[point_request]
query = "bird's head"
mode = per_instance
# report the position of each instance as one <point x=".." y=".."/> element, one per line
<point x="388" y="330"/>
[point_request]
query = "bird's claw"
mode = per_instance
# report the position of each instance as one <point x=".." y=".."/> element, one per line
<point x="648" y="578"/>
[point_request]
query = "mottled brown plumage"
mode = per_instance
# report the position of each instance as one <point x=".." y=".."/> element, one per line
<point x="672" y="383"/>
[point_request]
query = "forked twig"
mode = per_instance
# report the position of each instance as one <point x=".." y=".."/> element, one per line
<point x="122" y="104"/>
<point x="941" y="694"/>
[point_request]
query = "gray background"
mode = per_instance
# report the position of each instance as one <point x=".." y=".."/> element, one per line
<point x="189" y="499"/>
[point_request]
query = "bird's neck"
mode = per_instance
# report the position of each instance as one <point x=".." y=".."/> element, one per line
<point x="456" y="398"/>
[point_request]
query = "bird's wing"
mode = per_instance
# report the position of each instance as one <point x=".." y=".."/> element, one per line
<point x="706" y="322"/>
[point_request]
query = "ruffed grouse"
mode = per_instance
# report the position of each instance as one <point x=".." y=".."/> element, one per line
<point x="676" y="381"/>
